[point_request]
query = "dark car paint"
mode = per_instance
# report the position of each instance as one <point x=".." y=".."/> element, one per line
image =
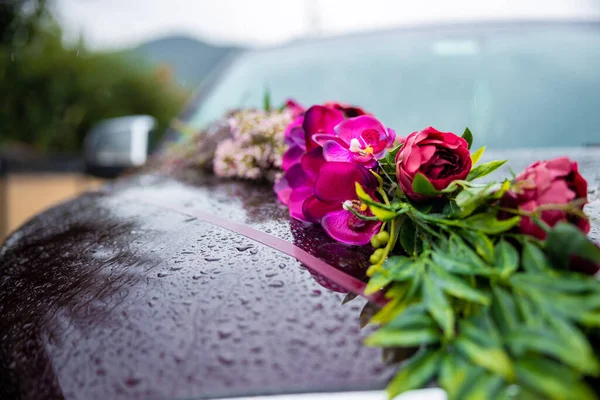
<point x="111" y="296"/>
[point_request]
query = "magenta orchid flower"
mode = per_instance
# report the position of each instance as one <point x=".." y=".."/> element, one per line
<point x="333" y="198"/>
<point x="320" y="120"/>
<point x="294" y="139"/>
<point x="361" y="140"/>
<point x="298" y="135"/>
<point x="299" y="138"/>
<point x="295" y="107"/>
<point x="301" y="179"/>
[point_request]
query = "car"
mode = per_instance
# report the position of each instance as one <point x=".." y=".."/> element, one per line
<point x="181" y="285"/>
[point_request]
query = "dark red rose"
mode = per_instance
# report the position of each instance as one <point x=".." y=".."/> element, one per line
<point x="545" y="183"/>
<point x="442" y="157"/>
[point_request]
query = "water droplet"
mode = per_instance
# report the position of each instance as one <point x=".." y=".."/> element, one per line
<point x="162" y="275"/>
<point x="272" y="274"/>
<point x="131" y="382"/>
<point x="276" y="284"/>
<point x="244" y="248"/>
<point x="281" y="266"/>
<point x="211" y="259"/>
<point x="315" y="293"/>
<point x="224" y="333"/>
<point x="225" y="359"/>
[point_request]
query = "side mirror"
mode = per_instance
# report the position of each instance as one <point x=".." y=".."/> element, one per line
<point x="116" y="144"/>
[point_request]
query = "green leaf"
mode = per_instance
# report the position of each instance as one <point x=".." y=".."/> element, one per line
<point x="504" y="309"/>
<point x="477" y="155"/>
<point x="419" y="370"/>
<point x="414" y="315"/>
<point x="565" y="240"/>
<point x="453" y="263"/>
<point x="488" y="223"/>
<point x="368" y="200"/>
<point x="468" y="136"/>
<point x="557" y="282"/>
<point x="393" y="307"/>
<point x="507" y="258"/>
<point x="482" y="244"/>
<point x="401" y="268"/>
<point x="572" y="336"/>
<point x="450" y="209"/>
<point x="390" y="155"/>
<point x="485" y="169"/>
<point x="384" y="214"/>
<point x="547" y="342"/>
<point x="438" y="306"/>
<point x="482" y="386"/>
<point x="493" y="359"/>
<point x="409" y="238"/>
<point x="267" y="100"/>
<point x="454" y="373"/>
<point x="534" y="259"/>
<point x="471" y="198"/>
<point x="458" y="288"/>
<point x="377" y="282"/>
<point x="552" y="380"/>
<point x="481" y="330"/>
<point x="404" y="338"/>
<point x="530" y="313"/>
<point x="422" y="185"/>
<point x="382" y="211"/>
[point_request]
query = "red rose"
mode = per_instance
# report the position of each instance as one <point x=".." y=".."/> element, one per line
<point x="543" y="183"/>
<point x="442" y="157"/>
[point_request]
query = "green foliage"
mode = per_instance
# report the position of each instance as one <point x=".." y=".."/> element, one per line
<point x="422" y="185"/>
<point x="493" y="313"/>
<point x="468" y="136"/>
<point x="566" y="240"/>
<point x="53" y="94"/>
<point x="485" y="169"/>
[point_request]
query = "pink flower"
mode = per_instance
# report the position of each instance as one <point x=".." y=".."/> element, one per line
<point x="361" y="140"/>
<point x="557" y="182"/>
<point x="295" y="107"/>
<point x="298" y="137"/>
<point x="301" y="179"/>
<point x="442" y="157"/>
<point x="294" y="139"/>
<point x="334" y="195"/>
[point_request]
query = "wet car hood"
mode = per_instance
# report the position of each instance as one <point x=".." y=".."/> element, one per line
<point x="136" y="292"/>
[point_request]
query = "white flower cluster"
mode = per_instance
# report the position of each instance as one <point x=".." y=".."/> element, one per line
<point x="256" y="147"/>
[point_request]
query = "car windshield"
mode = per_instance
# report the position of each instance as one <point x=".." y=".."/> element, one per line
<point x="514" y="85"/>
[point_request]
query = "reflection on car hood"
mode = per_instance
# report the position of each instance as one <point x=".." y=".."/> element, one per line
<point x="114" y="295"/>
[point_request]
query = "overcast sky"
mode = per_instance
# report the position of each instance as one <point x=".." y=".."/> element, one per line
<point x="122" y="23"/>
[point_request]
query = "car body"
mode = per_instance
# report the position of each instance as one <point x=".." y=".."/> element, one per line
<point x="182" y="286"/>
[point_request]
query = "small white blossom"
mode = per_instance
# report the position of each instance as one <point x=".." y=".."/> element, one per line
<point x="257" y="145"/>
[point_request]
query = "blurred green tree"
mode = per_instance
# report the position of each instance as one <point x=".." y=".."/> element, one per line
<point x="51" y="94"/>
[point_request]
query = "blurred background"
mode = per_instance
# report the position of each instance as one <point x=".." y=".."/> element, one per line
<point x="67" y="65"/>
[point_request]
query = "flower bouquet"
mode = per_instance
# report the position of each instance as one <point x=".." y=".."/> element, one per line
<point x="490" y="286"/>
